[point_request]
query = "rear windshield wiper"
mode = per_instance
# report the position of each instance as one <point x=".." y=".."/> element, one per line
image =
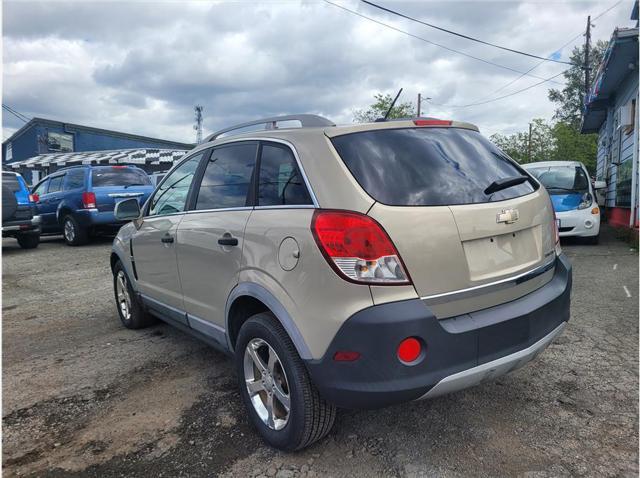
<point x="500" y="184"/>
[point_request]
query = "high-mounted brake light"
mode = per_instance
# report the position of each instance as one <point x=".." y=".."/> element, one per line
<point x="89" y="200"/>
<point x="432" y="122"/>
<point x="358" y="248"/>
<point x="119" y="167"/>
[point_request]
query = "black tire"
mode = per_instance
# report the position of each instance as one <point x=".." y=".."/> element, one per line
<point x="310" y="416"/>
<point x="9" y="203"/>
<point x="138" y="317"/>
<point x="76" y="235"/>
<point x="28" y="241"/>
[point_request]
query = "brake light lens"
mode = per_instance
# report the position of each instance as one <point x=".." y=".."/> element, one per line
<point x="89" y="200"/>
<point x="34" y="198"/>
<point x="358" y="248"/>
<point x="432" y="122"/>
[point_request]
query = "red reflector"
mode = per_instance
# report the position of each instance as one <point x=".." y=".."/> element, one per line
<point x="432" y="122"/>
<point x="409" y="350"/>
<point x="89" y="200"/>
<point x="346" y="356"/>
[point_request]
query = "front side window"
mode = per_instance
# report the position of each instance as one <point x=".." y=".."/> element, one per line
<point x="227" y="177"/>
<point x="428" y="166"/>
<point x="280" y="181"/>
<point x="55" y="184"/>
<point x="74" y="179"/>
<point x="171" y="196"/>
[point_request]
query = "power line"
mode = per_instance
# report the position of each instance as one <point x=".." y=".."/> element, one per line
<point x="572" y="39"/>
<point x="393" y="12"/>
<point x="18" y="115"/>
<point x="429" y="41"/>
<point x="501" y="97"/>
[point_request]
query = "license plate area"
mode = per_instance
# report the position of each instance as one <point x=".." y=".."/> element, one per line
<point x="503" y="254"/>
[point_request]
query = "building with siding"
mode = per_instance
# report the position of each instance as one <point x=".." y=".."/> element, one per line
<point x="611" y="110"/>
<point x="49" y="138"/>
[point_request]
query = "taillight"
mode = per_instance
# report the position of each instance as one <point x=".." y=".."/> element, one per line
<point x="34" y="198"/>
<point x="432" y="122"/>
<point x="358" y="248"/>
<point x="556" y="230"/>
<point x="89" y="200"/>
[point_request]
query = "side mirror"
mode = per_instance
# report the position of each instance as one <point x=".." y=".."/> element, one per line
<point x="599" y="185"/>
<point x="127" y="210"/>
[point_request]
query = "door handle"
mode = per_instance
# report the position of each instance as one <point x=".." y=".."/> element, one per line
<point x="227" y="240"/>
<point x="167" y="239"/>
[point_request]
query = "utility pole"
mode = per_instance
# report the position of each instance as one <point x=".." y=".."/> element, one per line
<point x="529" y="144"/>
<point x="419" y="103"/>
<point x="587" y="45"/>
<point x="198" y="126"/>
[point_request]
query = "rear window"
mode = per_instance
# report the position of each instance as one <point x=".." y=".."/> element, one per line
<point x="428" y="166"/>
<point x="116" y="176"/>
<point x="10" y="182"/>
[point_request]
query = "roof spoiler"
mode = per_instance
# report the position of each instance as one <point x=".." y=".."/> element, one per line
<point x="306" y="121"/>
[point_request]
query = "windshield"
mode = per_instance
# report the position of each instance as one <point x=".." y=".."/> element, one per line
<point x="429" y="166"/>
<point x="562" y="179"/>
<point x="119" y="176"/>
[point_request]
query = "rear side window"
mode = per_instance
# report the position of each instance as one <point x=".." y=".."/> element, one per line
<point x="74" y="179"/>
<point x="55" y="184"/>
<point x="428" y="166"/>
<point x="280" y="181"/>
<point x="119" y="176"/>
<point x="227" y="177"/>
<point x="10" y="182"/>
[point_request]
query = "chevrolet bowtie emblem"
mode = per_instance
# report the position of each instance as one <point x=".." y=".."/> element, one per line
<point x="508" y="216"/>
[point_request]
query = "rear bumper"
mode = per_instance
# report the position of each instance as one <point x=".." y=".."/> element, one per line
<point x="25" y="226"/>
<point x="93" y="217"/>
<point x="460" y="351"/>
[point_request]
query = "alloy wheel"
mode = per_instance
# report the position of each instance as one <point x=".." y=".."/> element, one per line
<point x="69" y="230"/>
<point x="267" y="384"/>
<point x="122" y="293"/>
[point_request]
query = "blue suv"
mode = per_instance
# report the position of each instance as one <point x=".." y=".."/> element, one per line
<point x="79" y="200"/>
<point x="19" y="218"/>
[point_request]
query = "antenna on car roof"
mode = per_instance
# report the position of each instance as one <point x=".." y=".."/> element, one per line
<point x="393" y="103"/>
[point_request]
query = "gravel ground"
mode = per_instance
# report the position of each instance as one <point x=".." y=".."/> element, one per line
<point x="82" y="396"/>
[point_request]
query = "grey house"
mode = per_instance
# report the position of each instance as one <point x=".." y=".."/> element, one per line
<point x="611" y="110"/>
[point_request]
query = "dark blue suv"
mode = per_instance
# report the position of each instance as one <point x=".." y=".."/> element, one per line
<point x="79" y="200"/>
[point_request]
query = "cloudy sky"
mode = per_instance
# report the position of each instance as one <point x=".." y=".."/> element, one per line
<point x="140" y="67"/>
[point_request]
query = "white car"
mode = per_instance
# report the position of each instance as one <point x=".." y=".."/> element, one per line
<point x="573" y="197"/>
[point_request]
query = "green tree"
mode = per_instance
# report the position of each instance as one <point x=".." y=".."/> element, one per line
<point x="569" y="100"/>
<point x="516" y="145"/>
<point x="380" y="107"/>
<point x="570" y="145"/>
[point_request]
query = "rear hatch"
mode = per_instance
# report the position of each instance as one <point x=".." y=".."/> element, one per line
<point x="112" y="184"/>
<point x="465" y="246"/>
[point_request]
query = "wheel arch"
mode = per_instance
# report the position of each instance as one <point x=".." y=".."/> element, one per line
<point x="248" y="299"/>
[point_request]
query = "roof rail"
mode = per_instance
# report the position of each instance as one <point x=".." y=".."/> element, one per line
<point x="306" y="121"/>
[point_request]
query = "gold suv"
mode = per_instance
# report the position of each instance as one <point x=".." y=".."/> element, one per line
<point x="347" y="266"/>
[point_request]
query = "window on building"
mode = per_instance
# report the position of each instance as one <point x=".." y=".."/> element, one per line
<point x="280" y="181"/>
<point x="227" y="178"/>
<point x="59" y="142"/>
<point x="8" y="156"/>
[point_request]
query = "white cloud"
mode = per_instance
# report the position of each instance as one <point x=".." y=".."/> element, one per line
<point x="140" y="67"/>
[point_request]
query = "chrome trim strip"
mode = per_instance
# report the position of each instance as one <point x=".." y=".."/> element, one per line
<point x="286" y="143"/>
<point x="495" y="368"/>
<point x="497" y="285"/>
<point x="287" y="206"/>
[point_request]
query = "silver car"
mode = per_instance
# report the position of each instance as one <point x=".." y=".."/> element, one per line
<point x="347" y="266"/>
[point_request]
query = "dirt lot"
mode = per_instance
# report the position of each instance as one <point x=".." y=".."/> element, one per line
<point x="82" y="396"/>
